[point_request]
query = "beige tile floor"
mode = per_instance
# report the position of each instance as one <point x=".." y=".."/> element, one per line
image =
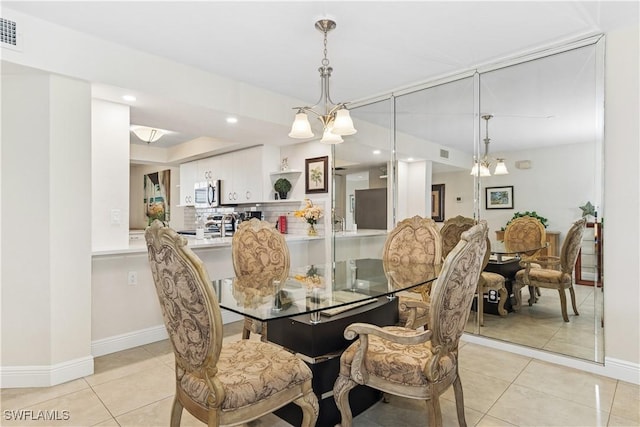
<point x="135" y="388"/>
<point x="541" y="325"/>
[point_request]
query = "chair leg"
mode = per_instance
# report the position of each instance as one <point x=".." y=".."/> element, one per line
<point x="341" y="389"/>
<point x="263" y="334"/>
<point x="573" y="301"/>
<point x="481" y="306"/>
<point x="532" y="295"/>
<point x="563" y="304"/>
<point x="310" y="409"/>
<point x="517" y="291"/>
<point x="457" y="391"/>
<point x="176" y="412"/>
<point x="502" y="293"/>
<point x="435" y="415"/>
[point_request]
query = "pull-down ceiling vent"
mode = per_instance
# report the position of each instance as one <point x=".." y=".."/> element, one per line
<point x="444" y="153"/>
<point x="9" y="36"/>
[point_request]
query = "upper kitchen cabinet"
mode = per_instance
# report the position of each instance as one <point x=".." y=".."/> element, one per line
<point x="207" y="169"/>
<point x="244" y="174"/>
<point x="188" y="173"/>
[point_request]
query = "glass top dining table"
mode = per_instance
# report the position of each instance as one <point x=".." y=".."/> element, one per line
<point x="500" y="253"/>
<point x="321" y="289"/>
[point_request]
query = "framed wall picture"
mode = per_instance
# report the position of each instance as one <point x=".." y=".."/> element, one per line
<point x="316" y="175"/>
<point x="437" y="202"/>
<point x="499" y="197"/>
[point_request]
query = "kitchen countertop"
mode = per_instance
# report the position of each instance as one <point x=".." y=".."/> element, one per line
<point x="139" y="246"/>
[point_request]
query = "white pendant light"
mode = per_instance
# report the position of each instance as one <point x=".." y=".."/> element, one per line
<point x="342" y="124"/>
<point x="501" y="168"/>
<point x="301" y="128"/>
<point x="328" y="137"/>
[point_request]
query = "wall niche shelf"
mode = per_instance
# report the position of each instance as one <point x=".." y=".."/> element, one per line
<point x="292" y="173"/>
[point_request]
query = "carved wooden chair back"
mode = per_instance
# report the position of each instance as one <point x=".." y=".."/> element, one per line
<point x="524" y="233"/>
<point x="451" y="231"/>
<point x="260" y="255"/>
<point x="216" y="383"/>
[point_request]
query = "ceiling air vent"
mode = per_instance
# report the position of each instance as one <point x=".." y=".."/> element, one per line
<point x="9" y="36"/>
<point x="444" y="153"/>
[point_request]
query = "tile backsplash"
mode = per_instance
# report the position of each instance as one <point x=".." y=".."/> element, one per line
<point x="270" y="212"/>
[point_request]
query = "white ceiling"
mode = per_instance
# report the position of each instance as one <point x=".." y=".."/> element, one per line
<point x="376" y="48"/>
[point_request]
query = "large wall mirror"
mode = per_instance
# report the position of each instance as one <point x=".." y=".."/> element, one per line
<point x="546" y="117"/>
<point x="546" y="122"/>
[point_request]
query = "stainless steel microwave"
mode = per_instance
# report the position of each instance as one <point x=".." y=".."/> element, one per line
<point x="207" y="194"/>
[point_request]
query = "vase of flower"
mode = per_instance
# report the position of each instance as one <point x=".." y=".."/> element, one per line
<point x="311" y="231"/>
<point x="311" y="214"/>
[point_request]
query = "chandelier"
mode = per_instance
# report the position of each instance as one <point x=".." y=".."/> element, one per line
<point x="335" y="118"/>
<point x="482" y="166"/>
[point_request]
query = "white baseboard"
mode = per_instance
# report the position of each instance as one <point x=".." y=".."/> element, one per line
<point x="141" y="337"/>
<point x="45" y="375"/>
<point x="129" y="340"/>
<point x="612" y="368"/>
<point x="623" y="370"/>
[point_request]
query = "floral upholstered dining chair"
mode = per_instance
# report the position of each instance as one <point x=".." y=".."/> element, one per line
<point x="414" y="242"/>
<point x="522" y="234"/>
<point x="555" y="279"/>
<point x="216" y="383"/>
<point x="451" y="232"/>
<point x="260" y="255"/>
<point x="418" y="364"/>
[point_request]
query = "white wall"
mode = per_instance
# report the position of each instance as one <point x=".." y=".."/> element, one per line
<point x="456" y="184"/>
<point x="561" y="179"/>
<point x="110" y="177"/>
<point x="621" y="193"/>
<point x="46" y="229"/>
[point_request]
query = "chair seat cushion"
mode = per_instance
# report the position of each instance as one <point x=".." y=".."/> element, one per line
<point x="249" y="371"/>
<point x="492" y="280"/>
<point x="544" y="275"/>
<point x="399" y="363"/>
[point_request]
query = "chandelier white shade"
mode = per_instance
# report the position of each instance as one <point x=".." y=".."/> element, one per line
<point x="301" y="128"/>
<point x="482" y="167"/>
<point x="148" y="134"/>
<point x="328" y="137"/>
<point x="501" y="168"/>
<point x="335" y="118"/>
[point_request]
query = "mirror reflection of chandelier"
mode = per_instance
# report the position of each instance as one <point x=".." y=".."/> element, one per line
<point x="485" y="163"/>
<point x="336" y="120"/>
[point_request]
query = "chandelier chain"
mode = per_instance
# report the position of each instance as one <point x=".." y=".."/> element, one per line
<point x="325" y="60"/>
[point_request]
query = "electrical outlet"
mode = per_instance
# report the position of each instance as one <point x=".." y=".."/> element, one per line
<point x="132" y="278"/>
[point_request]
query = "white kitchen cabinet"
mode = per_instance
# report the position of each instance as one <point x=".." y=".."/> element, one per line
<point x="206" y="170"/>
<point x="244" y="174"/>
<point x="188" y="172"/>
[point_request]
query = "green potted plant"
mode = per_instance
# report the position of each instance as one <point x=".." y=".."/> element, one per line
<point x="282" y="186"/>
<point x="533" y="214"/>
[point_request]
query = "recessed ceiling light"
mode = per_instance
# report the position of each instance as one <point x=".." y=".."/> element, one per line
<point x="410" y="159"/>
<point x="232" y="120"/>
<point x="376" y="151"/>
<point x="129" y="98"/>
